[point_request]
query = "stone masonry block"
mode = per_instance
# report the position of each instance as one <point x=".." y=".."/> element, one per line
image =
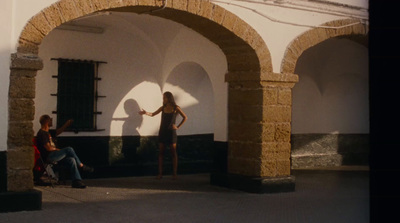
<point x="285" y="96"/>
<point x="40" y="23"/>
<point x="229" y="21"/>
<point x="147" y="2"/>
<point x="268" y="168"/>
<point x="359" y="29"/>
<point x="265" y="62"/>
<point x="23" y="73"/>
<point x="270" y="96"/>
<point x="237" y="66"/>
<point x="268" y="154"/>
<point x="20" y="134"/>
<point x="296" y="48"/>
<point x="280" y="80"/>
<point x="283" y="167"/>
<point x="26" y="62"/>
<point x="114" y="4"/>
<point x="282" y="133"/>
<point x="84" y="7"/>
<point x="249" y="113"/>
<point x="22" y="87"/>
<point x="331" y="32"/>
<point x="21" y="109"/>
<point x="206" y="9"/>
<point x="194" y="6"/>
<point x="246" y="97"/>
<point x="31" y="34"/>
<point x="68" y="10"/>
<point x="277" y="113"/>
<point x="245" y="131"/>
<point x="314" y="37"/>
<point x="322" y="35"/>
<point x="246" y="167"/>
<point x="258" y="43"/>
<point x="122" y="3"/>
<point x="246" y="80"/>
<point x="268" y="133"/>
<point x="117" y="3"/>
<point x="245" y="150"/>
<point x="304" y="41"/>
<point x="27" y="47"/>
<point x="218" y="14"/>
<point x="283" y="147"/>
<point x="20" y="158"/>
<point x="54" y="18"/>
<point x="288" y="65"/>
<point x="237" y="63"/>
<point x="240" y="28"/>
<point x="19" y="180"/>
<point x="249" y="35"/>
<point x="282" y="155"/>
<point x="180" y="5"/>
<point x="100" y="4"/>
<point x="289" y="61"/>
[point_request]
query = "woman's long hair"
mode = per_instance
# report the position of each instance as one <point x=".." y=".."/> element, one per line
<point x="170" y="98"/>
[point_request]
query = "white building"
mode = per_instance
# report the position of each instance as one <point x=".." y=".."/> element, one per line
<point x="152" y="46"/>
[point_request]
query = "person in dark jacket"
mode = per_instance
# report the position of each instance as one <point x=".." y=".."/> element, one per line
<point x="50" y="153"/>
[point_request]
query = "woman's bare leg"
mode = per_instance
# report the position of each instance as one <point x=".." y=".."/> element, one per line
<point x="160" y="160"/>
<point x="174" y="161"/>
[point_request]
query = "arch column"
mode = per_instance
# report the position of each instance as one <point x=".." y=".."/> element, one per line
<point x="259" y="133"/>
<point x="20" y="194"/>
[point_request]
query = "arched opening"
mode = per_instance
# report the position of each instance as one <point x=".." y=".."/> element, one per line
<point x="143" y="56"/>
<point x="330" y="121"/>
<point x="357" y="32"/>
<point x="247" y="57"/>
<point x="193" y="91"/>
<point x="330" y="124"/>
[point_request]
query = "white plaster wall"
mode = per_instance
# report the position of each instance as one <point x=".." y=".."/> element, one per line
<point x="332" y="94"/>
<point x="5" y="50"/>
<point x="144" y="55"/>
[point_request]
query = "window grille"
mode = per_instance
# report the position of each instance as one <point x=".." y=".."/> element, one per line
<point x="77" y="94"/>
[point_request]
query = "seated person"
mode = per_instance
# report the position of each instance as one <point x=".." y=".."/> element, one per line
<point x="50" y="153"/>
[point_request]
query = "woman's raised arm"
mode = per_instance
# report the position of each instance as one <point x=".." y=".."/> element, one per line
<point x="151" y="114"/>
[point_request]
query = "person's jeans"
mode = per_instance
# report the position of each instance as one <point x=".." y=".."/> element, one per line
<point x="70" y="159"/>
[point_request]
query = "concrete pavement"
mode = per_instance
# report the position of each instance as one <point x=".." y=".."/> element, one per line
<point x="320" y="196"/>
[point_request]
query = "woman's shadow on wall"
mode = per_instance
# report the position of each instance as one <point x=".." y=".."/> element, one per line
<point x="130" y="134"/>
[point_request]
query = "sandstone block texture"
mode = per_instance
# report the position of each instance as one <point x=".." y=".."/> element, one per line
<point x="259" y="124"/>
<point x="20" y="153"/>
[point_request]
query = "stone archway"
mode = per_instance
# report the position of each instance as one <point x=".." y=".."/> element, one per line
<point x="259" y="100"/>
<point x="317" y="35"/>
<point x="352" y="30"/>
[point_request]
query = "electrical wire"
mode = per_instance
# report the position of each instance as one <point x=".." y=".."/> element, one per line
<point x="290" y="23"/>
<point x="297" y="6"/>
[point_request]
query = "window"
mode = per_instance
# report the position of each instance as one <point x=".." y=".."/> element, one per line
<point x="77" y="94"/>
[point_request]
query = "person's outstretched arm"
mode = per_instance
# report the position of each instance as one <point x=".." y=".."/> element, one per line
<point x="151" y="114"/>
<point x="62" y="128"/>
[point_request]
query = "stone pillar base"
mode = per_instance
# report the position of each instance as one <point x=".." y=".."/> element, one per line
<point x="260" y="185"/>
<point x="21" y="201"/>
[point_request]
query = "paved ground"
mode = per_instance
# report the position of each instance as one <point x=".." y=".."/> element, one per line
<point x="321" y="197"/>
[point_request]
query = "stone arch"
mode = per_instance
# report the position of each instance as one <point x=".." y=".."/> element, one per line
<point x="264" y="151"/>
<point x="317" y="35"/>
<point x="243" y="46"/>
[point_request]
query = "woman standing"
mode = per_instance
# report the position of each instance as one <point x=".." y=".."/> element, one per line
<point x="167" y="133"/>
